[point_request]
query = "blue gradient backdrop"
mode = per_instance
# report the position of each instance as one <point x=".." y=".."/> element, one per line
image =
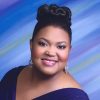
<point x="17" y="20"/>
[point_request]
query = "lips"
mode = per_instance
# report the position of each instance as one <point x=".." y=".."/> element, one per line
<point x="49" y="62"/>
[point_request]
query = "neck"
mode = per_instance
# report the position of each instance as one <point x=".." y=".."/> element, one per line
<point x="39" y="78"/>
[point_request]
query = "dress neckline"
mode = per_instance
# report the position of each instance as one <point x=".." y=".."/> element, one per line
<point x="48" y="93"/>
<point x="57" y="91"/>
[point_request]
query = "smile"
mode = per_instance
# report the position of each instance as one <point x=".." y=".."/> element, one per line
<point x="49" y="62"/>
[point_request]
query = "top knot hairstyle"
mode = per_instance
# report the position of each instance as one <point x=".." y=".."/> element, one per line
<point x="53" y="15"/>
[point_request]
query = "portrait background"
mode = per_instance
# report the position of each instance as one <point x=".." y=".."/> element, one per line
<point x="17" y="20"/>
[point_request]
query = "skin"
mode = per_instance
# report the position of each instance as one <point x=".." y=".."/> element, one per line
<point x="49" y="51"/>
<point x="55" y="42"/>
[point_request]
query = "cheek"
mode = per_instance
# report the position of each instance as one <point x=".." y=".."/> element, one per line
<point x="36" y="52"/>
<point x="64" y="56"/>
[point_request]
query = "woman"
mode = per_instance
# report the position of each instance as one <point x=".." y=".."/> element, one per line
<point x="45" y="78"/>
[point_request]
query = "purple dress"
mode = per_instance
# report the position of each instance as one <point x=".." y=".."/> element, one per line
<point x="8" y="89"/>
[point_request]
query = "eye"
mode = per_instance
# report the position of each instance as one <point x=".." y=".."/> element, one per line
<point x="42" y="43"/>
<point x="61" y="46"/>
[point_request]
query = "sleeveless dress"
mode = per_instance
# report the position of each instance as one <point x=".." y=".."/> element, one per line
<point x="8" y="89"/>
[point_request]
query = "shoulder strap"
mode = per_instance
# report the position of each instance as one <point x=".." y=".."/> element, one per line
<point x="8" y="82"/>
<point x="12" y="74"/>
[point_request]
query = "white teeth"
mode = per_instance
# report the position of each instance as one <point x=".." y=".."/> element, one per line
<point x="49" y="62"/>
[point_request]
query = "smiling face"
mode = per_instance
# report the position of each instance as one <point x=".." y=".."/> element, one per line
<point x="50" y="49"/>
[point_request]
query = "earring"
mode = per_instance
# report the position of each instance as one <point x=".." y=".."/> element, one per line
<point x="66" y="68"/>
<point x="30" y="62"/>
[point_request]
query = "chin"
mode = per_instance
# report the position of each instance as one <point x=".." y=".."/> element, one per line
<point x="49" y="72"/>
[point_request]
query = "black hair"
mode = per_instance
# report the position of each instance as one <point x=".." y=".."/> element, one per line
<point x="55" y="16"/>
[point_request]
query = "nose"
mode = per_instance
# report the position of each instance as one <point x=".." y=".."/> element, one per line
<point x="50" y="52"/>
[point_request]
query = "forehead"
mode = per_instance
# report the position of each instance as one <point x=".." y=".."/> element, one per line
<point x="53" y="33"/>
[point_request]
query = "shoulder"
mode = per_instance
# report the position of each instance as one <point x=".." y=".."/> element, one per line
<point x="74" y="90"/>
<point x="76" y="94"/>
<point x="8" y="82"/>
<point x="72" y="94"/>
<point x="65" y="94"/>
<point x="71" y="82"/>
<point x="11" y="74"/>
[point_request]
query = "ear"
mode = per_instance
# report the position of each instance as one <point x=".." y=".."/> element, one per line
<point x="31" y="44"/>
<point x="70" y="47"/>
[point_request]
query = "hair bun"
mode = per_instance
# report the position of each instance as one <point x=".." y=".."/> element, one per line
<point x="48" y="11"/>
<point x="42" y="11"/>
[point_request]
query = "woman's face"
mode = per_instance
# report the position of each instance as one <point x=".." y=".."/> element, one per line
<point x="50" y="49"/>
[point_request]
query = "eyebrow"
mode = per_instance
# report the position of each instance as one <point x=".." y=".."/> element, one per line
<point x="56" y="42"/>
